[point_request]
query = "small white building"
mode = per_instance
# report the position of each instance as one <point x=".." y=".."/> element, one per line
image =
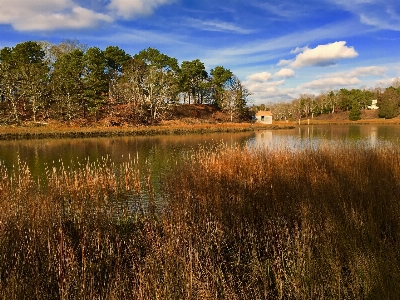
<point x="373" y="105"/>
<point x="264" y="117"/>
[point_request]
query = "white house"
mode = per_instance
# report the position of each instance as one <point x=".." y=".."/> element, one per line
<point x="264" y="117"/>
<point x="373" y="105"/>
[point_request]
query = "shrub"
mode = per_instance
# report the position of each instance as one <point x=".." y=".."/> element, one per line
<point x="355" y="113"/>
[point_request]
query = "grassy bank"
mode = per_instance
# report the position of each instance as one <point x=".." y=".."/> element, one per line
<point x="227" y="224"/>
<point x="38" y="131"/>
<point x="343" y="122"/>
<point x="340" y="118"/>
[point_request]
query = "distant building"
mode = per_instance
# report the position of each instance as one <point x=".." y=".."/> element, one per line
<point x="373" y="105"/>
<point x="264" y="117"/>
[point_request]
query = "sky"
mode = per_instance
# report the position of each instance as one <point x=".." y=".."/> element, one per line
<point x="278" y="49"/>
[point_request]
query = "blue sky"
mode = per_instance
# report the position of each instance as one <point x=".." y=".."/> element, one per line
<point x="279" y="49"/>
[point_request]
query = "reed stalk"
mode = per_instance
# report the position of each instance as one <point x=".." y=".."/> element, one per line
<point x="225" y="223"/>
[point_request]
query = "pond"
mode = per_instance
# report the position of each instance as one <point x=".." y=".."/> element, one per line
<point x="303" y="136"/>
<point x="158" y="151"/>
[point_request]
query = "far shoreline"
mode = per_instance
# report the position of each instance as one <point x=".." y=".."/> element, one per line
<point x="344" y="122"/>
<point x="41" y="130"/>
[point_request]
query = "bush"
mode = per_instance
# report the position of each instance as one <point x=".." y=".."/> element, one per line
<point x="389" y="104"/>
<point x="355" y="113"/>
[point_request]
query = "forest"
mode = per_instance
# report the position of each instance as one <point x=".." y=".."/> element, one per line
<point x="353" y="100"/>
<point x="71" y="82"/>
<point x="42" y="81"/>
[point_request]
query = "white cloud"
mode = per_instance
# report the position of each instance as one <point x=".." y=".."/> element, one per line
<point x="366" y="71"/>
<point x="360" y="72"/>
<point x="258" y="51"/>
<point x="215" y="25"/>
<point x="284" y="62"/>
<point x="379" y="22"/>
<point x="127" y="38"/>
<point x="287" y="73"/>
<point x="132" y="8"/>
<point x="271" y="91"/>
<point x="28" y="15"/>
<point x="286" y="10"/>
<point x="324" y="55"/>
<point x="274" y="95"/>
<point x="263" y="86"/>
<point x="334" y="31"/>
<point x="386" y="82"/>
<point x="278" y="9"/>
<point x="259" y="77"/>
<point x="77" y="18"/>
<point x="379" y="14"/>
<point x="347" y="78"/>
<point x="331" y="82"/>
<point x="299" y="50"/>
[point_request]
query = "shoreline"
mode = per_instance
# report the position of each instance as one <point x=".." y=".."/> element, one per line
<point x="34" y="131"/>
<point x="51" y="131"/>
<point x="347" y="122"/>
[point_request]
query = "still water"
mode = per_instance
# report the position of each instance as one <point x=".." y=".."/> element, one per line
<point x="158" y="151"/>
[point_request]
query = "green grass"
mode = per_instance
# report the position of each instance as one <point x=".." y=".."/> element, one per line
<point x="226" y="224"/>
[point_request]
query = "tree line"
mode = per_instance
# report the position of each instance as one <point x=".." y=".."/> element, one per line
<point x="67" y="81"/>
<point x="354" y="100"/>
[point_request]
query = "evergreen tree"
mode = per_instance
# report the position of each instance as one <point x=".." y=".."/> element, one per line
<point x="192" y="80"/>
<point x="95" y="80"/>
<point x="388" y="103"/>
<point x="355" y="112"/>
<point x="67" y="82"/>
<point x="219" y="78"/>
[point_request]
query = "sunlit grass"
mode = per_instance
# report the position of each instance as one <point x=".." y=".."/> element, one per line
<point x="226" y="223"/>
<point x="167" y="128"/>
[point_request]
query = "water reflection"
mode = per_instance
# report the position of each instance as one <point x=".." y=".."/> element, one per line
<point x="311" y="136"/>
<point x="154" y="151"/>
<point x="374" y="136"/>
<point x="158" y="151"/>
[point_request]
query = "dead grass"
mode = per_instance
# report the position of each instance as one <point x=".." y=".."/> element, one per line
<point x="367" y="117"/>
<point x="226" y="224"/>
<point x="58" y="130"/>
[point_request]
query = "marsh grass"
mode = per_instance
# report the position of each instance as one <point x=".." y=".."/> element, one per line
<point x="55" y="131"/>
<point x="226" y="223"/>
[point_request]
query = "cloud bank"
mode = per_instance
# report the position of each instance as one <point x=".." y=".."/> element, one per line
<point x="267" y="86"/>
<point x="344" y="79"/>
<point x="128" y="9"/>
<point x="27" y="15"/>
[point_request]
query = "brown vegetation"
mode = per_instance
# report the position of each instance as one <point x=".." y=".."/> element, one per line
<point x="32" y="131"/>
<point x="225" y="224"/>
<point x="187" y="119"/>
<point x="342" y="117"/>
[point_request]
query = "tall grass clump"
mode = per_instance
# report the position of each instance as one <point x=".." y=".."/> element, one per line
<point x="289" y="223"/>
<point x="79" y="235"/>
<point x="226" y="223"/>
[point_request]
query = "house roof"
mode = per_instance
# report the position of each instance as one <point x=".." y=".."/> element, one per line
<point x="264" y="113"/>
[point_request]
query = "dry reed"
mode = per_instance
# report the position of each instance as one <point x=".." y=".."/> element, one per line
<point x="226" y="223"/>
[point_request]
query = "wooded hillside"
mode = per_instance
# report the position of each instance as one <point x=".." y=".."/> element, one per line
<point x="69" y="81"/>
